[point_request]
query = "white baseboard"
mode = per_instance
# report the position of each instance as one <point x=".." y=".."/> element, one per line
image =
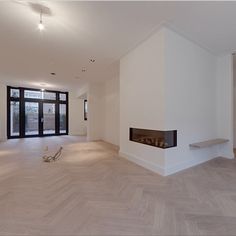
<point x="76" y="134"/>
<point x="169" y="170"/>
<point x="161" y="170"/>
<point x="114" y="146"/>
<point x="146" y="164"/>
<point x="228" y="156"/>
<point x="3" y="139"/>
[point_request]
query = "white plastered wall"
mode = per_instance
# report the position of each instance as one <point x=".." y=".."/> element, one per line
<point x="168" y="83"/>
<point x="111" y="111"/>
<point x="76" y="115"/>
<point x="234" y="100"/>
<point x="225" y="103"/>
<point x="142" y="101"/>
<point x="190" y="99"/>
<point x="3" y="112"/>
<point x="95" y="128"/>
<point x="103" y="110"/>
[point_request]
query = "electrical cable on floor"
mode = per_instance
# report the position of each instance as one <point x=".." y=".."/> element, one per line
<point x="53" y="158"/>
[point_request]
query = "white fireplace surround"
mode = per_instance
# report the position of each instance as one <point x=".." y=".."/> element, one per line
<point x="182" y="87"/>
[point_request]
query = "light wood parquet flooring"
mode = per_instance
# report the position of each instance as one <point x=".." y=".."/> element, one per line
<point x="92" y="191"/>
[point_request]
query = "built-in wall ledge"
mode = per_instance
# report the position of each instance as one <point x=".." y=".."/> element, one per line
<point x="209" y="143"/>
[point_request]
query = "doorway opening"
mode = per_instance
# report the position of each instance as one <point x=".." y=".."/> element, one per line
<point x="36" y="113"/>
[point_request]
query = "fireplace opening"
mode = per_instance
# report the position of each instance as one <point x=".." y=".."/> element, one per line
<point x="156" y="138"/>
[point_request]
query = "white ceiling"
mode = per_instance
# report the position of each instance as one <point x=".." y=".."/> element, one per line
<point x="105" y="31"/>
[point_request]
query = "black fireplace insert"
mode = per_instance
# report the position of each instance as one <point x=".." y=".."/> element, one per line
<point x="156" y="138"/>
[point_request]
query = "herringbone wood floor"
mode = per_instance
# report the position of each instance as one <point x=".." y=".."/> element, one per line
<point x="92" y="191"/>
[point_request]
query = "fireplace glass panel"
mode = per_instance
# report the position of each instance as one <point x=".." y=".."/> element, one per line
<point x="156" y="138"/>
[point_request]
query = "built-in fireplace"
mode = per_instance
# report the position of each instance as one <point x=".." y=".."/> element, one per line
<point x="156" y="138"/>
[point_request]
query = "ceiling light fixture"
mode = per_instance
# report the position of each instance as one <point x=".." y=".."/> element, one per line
<point x="92" y="60"/>
<point x="40" y="25"/>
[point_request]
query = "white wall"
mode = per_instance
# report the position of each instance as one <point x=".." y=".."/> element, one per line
<point x="225" y="103"/>
<point x="234" y="108"/>
<point x="234" y="100"/>
<point x="190" y="99"/>
<point x="3" y="112"/>
<point x="142" y="102"/>
<point x="112" y="111"/>
<point x="103" y="110"/>
<point x="77" y="125"/>
<point x="82" y="94"/>
<point x="95" y="126"/>
<point x="170" y="83"/>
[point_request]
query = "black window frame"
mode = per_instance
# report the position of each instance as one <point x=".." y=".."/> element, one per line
<point x="22" y="101"/>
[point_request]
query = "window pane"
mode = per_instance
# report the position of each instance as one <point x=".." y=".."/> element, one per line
<point x="15" y="93"/>
<point x="49" y="95"/>
<point x="62" y="118"/>
<point x="33" y="94"/>
<point x="31" y="118"/>
<point x="49" y="118"/>
<point x="62" y="96"/>
<point x="15" y="118"/>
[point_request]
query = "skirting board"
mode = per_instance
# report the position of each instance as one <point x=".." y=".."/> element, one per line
<point x="148" y="165"/>
<point x="185" y="165"/>
<point x="228" y="156"/>
<point x="164" y="171"/>
<point x="3" y="139"/>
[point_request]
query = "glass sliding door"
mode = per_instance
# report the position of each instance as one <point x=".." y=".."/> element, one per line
<point x="36" y="112"/>
<point x="15" y="118"/>
<point x="63" y="118"/>
<point x="31" y="118"/>
<point x="49" y="118"/>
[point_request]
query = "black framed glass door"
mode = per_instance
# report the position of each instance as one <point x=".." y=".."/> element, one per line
<point x="49" y="118"/>
<point x="36" y="113"/>
<point x="32" y="119"/>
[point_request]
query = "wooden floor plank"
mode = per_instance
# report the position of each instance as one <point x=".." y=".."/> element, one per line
<point x="92" y="191"/>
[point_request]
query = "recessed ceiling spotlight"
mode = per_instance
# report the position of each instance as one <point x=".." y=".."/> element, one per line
<point x="83" y="70"/>
<point x="53" y="73"/>
<point x="92" y="60"/>
<point x="42" y="89"/>
<point x="40" y="25"/>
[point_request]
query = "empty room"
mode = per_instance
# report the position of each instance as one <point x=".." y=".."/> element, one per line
<point x="117" y="118"/>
